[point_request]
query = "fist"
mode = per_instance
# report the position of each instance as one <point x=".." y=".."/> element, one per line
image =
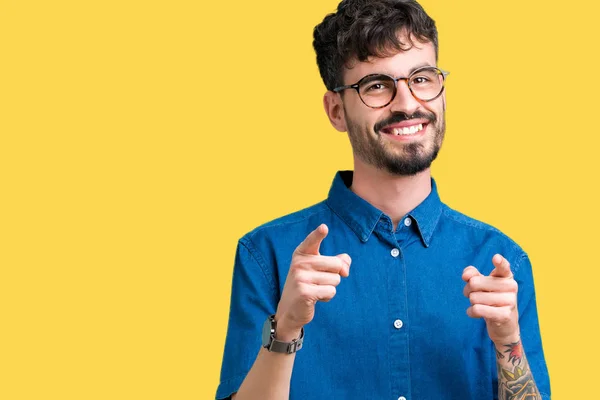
<point x="312" y="277"/>
<point x="494" y="298"/>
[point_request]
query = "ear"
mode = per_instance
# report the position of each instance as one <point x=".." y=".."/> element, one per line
<point x="444" y="100"/>
<point x="335" y="110"/>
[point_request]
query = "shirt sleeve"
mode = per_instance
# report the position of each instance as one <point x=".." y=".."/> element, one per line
<point x="253" y="298"/>
<point x="529" y="325"/>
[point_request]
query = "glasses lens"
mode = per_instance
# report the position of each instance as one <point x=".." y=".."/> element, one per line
<point x="376" y="90"/>
<point x="427" y="83"/>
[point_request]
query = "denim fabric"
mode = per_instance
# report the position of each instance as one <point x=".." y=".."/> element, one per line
<point x="397" y="325"/>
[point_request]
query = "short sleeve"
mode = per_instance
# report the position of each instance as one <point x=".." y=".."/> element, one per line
<point x="253" y="298"/>
<point x="529" y="325"/>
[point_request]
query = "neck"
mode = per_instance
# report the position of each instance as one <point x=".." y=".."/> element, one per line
<point x="394" y="195"/>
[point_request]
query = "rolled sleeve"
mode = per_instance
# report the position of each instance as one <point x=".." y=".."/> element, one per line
<point x="253" y="298"/>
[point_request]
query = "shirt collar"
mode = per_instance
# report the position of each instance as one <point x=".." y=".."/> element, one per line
<point x="362" y="217"/>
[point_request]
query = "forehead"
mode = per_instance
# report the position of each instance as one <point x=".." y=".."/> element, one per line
<point x="398" y="64"/>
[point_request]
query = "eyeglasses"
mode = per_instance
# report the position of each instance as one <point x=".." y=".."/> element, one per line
<point x="378" y="90"/>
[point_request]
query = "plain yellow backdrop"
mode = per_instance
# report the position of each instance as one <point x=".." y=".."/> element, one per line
<point x="140" y="139"/>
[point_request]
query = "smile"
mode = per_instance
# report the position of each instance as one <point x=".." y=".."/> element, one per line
<point x="404" y="131"/>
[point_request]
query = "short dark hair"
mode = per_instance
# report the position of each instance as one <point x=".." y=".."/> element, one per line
<point x="363" y="28"/>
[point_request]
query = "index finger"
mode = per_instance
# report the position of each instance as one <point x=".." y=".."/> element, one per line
<point x="311" y="244"/>
<point x="502" y="269"/>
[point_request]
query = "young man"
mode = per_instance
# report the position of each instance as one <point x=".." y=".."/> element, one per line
<point x="429" y="308"/>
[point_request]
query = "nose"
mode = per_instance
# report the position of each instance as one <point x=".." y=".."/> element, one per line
<point x="404" y="101"/>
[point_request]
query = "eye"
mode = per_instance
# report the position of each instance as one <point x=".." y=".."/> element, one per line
<point x="375" y="87"/>
<point x="419" y="80"/>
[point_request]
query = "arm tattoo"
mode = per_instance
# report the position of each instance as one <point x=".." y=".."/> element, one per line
<point x="515" y="381"/>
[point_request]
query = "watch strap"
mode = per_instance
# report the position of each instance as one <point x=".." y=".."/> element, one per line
<point x="286" y="347"/>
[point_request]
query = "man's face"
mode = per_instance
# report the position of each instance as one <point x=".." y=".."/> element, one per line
<point x="385" y="137"/>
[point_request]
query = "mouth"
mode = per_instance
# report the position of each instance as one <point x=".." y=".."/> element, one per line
<point x="405" y="131"/>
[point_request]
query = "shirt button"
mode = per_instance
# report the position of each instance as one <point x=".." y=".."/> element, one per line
<point x="407" y="222"/>
<point x="398" y="324"/>
<point x="401" y="398"/>
<point x="395" y="252"/>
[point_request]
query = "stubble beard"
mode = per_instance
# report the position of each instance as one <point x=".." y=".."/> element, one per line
<point x="414" y="157"/>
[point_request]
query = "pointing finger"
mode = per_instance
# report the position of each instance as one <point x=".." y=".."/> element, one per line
<point x="311" y="244"/>
<point x="502" y="269"/>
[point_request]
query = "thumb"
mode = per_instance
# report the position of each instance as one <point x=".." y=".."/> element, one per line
<point x="502" y="269"/>
<point x="311" y="244"/>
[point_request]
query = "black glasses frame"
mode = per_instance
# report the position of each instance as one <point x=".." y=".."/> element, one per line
<point x="356" y="85"/>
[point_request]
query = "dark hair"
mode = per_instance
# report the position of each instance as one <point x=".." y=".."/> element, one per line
<point x="363" y="28"/>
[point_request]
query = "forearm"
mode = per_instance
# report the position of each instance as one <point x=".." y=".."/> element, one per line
<point x="515" y="380"/>
<point x="269" y="378"/>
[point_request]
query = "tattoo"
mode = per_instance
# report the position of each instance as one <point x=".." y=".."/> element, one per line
<point x="499" y="355"/>
<point x="515" y="353"/>
<point x="515" y="381"/>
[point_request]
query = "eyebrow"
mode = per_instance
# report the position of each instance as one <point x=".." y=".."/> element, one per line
<point x="413" y="69"/>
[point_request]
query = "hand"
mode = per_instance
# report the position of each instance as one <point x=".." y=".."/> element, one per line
<point x="494" y="298"/>
<point x="311" y="278"/>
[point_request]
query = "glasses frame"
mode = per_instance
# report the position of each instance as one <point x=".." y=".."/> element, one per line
<point x="356" y="85"/>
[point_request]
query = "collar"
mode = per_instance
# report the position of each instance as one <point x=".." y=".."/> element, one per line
<point x="362" y="217"/>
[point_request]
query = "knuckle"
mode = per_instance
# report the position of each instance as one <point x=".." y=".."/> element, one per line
<point x="296" y="263"/>
<point x="338" y="279"/>
<point x="295" y="274"/>
<point x="475" y="282"/>
<point x="473" y="297"/>
<point x="467" y="290"/>
<point x="505" y="314"/>
<point x="301" y="276"/>
<point x="332" y="291"/>
<point x="303" y="265"/>
<point x="304" y="292"/>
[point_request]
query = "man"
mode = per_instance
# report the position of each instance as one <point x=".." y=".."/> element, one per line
<point x="361" y="296"/>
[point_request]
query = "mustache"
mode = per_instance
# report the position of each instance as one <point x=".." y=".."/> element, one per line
<point x="402" y="116"/>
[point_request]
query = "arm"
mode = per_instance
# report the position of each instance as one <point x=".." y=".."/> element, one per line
<point x="515" y="380"/>
<point x="271" y="373"/>
<point x="494" y="298"/>
<point x="311" y="278"/>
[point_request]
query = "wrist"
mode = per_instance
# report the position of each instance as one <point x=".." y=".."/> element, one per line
<point x="507" y="340"/>
<point x="286" y="332"/>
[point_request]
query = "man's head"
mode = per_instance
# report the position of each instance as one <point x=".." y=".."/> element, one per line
<point x="395" y="38"/>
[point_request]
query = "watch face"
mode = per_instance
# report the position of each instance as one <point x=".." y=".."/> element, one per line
<point x="266" y="333"/>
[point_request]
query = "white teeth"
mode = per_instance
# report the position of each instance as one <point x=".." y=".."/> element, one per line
<point x="408" y="130"/>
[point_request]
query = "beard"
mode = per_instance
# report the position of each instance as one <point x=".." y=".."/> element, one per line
<point x="412" y="158"/>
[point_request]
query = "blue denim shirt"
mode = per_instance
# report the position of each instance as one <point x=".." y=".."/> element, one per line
<point x="398" y="324"/>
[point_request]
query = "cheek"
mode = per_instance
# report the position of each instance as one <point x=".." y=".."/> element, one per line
<point x="438" y="107"/>
<point x="365" y="120"/>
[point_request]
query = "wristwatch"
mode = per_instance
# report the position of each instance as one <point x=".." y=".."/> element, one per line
<point x="270" y="343"/>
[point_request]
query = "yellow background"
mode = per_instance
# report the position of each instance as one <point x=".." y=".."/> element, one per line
<point x="140" y="139"/>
